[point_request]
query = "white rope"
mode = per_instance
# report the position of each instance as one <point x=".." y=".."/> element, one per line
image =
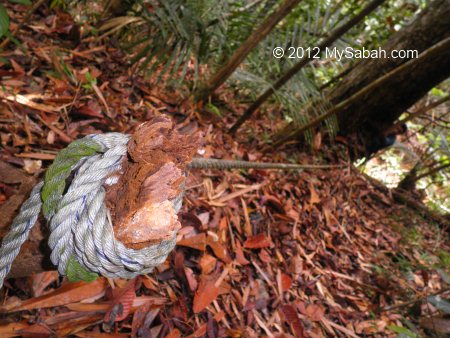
<point x="80" y="224"/>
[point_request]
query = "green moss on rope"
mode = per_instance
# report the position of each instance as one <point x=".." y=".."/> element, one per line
<point x="75" y="272"/>
<point x="59" y="171"/>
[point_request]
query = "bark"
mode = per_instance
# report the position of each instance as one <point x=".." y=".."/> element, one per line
<point x="247" y="46"/>
<point x="409" y="182"/>
<point x="424" y="110"/>
<point x="382" y="106"/>
<point x="377" y="91"/>
<point x="153" y="176"/>
<point x="423" y="65"/>
<point x="328" y="41"/>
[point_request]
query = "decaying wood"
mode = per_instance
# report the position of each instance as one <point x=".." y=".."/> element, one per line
<point x="153" y="176"/>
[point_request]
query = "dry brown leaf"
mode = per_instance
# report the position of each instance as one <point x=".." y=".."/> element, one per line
<point x="41" y="280"/>
<point x="314" y="196"/>
<point x="174" y="334"/>
<point x="124" y="298"/>
<point x="140" y="316"/>
<point x="201" y="331"/>
<point x="35" y="331"/>
<point x="240" y="257"/>
<point x="104" y="306"/>
<point x="66" y="294"/>
<point x="207" y="264"/>
<point x="315" y="312"/>
<point x="91" y="334"/>
<point x="37" y="156"/>
<point x="286" y="282"/>
<point x="11" y="329"/>
<point x="219" y="250"/>
<point x="292" y="318"/>
<point x="258" y="241"/>
<point x="197" y="242"/>
<point x="206" y="293"/>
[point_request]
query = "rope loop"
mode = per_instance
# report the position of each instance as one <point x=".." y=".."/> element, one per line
<point x="82" y="237"/>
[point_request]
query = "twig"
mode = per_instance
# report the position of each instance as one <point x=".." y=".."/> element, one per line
<point x="413" y="301"/>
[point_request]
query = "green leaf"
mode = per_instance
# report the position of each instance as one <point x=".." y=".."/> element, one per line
<point x="402" y="331"/>
<point x="4" y="21"/>
<point x="22" y="2"/>
<point x="440" y="303"/>
<point x="75" y="272"/>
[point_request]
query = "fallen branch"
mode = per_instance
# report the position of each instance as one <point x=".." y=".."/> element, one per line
<point x="402" y="197"/>
<point x="413" y="301"/>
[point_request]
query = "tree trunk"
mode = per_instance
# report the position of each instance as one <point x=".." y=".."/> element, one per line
<point x="424" y="110"/>
<point x="381" y="107"/>
<point x="327" y="41"/>
<point x="378" y="90"/>
<point x="393" y="79"/>
<point x="409" y="182"/>
<point x="247" y="46"/>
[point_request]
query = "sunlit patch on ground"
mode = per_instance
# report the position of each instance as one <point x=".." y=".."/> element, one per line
<point x="390" y="166"/>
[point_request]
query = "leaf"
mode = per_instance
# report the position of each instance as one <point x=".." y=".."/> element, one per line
<point x="123" y="297"/>
<point x="197" y="242"/>
<point x="190" y="277"/>
<point x="286" y="282"/>
<point x="174" y="334"/>
<point x="208" y="291"/>
<point x="10" y="329"/>
<point x="219" y="250"/>
<point x="315" y="312"/>
<point x="440" y="303"/>
<point x="207" y="264"/>
<point x="205" y="295"/>
<point x="140" y="315"/>
<point x="240" y="257"/>
<point x="201" y="331"/>
<point x="66" y="294"/>
<point x="137" y="302"/>
<point x="10" y="174"/>
<point x="21" y="2"/>
<point x="75" y="272"/>
<point x="258" y="242"/>
<point x="41" y="280"/>
<point x="35" y="331"/>
<point x="402" y="330"/>
<point x="4" y="21"/>
<point x="314" y="196"/>
<point x="292" y="318"/>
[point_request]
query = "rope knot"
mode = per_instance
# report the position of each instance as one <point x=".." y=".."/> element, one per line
<point x="146" y="194"/>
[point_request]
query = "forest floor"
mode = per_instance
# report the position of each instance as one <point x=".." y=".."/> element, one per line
<point x="261" y="253"/>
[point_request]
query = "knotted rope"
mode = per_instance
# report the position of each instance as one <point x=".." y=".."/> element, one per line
<point x="81" y="232"/>
<point x="82" y="237"/>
